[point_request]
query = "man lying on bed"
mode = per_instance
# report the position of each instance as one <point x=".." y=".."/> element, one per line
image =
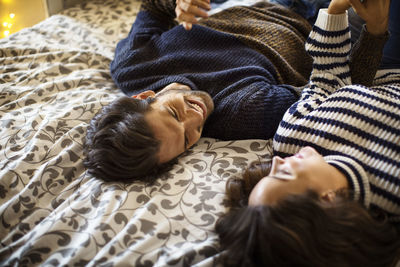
<point x="238" y="62"/>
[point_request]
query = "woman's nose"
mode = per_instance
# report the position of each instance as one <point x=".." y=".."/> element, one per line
<point x="279" y="160"/>
<point x="276" y="162"/>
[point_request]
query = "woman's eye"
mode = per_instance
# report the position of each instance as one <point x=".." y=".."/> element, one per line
<point x="285" y="172"/>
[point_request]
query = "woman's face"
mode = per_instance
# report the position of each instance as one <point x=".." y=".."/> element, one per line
<point x="306" y="170"/>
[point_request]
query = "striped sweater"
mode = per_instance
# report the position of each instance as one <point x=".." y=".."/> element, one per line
<point x="355" y="128"/>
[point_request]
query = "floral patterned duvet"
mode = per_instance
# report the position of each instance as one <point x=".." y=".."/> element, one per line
<point x="53" y="78"/>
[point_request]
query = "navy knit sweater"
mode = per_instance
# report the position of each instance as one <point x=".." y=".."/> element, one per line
<point x="243" y="83"/>
<point x="241" y="56"/>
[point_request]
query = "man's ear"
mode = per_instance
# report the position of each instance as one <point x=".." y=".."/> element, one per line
<point x="145" y="94"/>
<point x="328" y="195"/>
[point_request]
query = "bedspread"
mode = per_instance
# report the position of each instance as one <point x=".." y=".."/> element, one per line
<point x="54" y="77"/>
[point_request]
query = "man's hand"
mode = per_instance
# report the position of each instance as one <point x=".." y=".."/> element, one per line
<point x="375" y="13"/>
<point x="187" y="11"/>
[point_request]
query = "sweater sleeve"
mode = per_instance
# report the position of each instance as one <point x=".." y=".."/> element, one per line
<point x="146" y="26"/>
<point x="366" y="56"/>
<point x="329" y="45"/>
<point x="254" y="112"/>
<point x="163" y="10"/>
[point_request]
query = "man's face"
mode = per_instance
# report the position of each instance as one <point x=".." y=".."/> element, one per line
<point x="177" y="119"/>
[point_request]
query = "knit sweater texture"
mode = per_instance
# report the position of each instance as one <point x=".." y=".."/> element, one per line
<point x="241" y="65"/>
<point x="355" y="128"/>
<point x="240" y="56"/>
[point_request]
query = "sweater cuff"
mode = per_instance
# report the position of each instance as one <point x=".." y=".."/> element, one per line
<point x="366" y="56"/>
<point x="372" y="42"/>
<point x="331" y="22"/>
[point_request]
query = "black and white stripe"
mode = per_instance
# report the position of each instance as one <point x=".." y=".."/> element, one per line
<point x="356" y="128"/>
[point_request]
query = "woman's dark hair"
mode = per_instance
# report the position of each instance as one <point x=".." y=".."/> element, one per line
<point x="239" y="189"/>
<point x="120" y="145"/>
<point x="303" y="230"/>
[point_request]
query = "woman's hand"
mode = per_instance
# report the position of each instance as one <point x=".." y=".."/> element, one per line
<point x="339" y="6"/>
<point x="187" y="11"/>
<point x="375" y="13"/>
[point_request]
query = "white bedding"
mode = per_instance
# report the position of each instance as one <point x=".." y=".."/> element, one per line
<point x="53" y="78"/>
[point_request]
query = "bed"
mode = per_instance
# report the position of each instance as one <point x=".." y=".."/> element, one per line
<point x="54" y="77"/>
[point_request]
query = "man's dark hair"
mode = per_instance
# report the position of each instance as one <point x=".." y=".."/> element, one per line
<point x="120" y="145"/>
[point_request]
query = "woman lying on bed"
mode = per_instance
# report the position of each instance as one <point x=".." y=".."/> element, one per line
<point x="332" y="195"/>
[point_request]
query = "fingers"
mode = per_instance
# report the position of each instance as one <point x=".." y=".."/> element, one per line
<point x="193" y="7"/>
<point x="360" y="7"/>
<point x="187" y="26"/>
<point x="369" y="7"/>
<point x="203" y="4"/>
<point x="338" y="6"/>
<point x="375" y="13"/>
<point x="187" y="11"/>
